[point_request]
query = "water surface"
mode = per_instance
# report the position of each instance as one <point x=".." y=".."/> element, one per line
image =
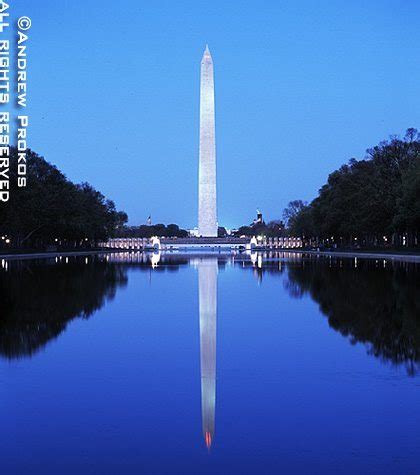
<point x="267" y="363"/>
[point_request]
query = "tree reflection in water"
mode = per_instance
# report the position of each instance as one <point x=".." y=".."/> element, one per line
<point x="39" y="298"/>
<point x="376" y="303"/>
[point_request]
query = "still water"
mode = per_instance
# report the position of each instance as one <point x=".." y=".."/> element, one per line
<point x="222" y="364"/>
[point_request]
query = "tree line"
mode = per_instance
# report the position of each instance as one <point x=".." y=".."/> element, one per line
<point x="270" y="229"/>
<point x="369" y="202"/>
<point x="148" y="231"/>
<point x="53" y="211"/>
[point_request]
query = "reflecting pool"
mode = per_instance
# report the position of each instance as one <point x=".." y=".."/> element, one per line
<point x="217" y="363"/>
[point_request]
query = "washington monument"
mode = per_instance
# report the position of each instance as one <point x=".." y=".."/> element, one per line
<point x="207" y="208"/>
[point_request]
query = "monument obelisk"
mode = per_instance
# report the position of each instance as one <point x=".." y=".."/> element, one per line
<point x="207" y="212"/>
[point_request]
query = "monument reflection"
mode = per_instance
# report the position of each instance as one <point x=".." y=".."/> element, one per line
<point x="207" y="288"/>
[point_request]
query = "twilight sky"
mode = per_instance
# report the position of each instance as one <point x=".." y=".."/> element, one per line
<point x="301" y="87"/>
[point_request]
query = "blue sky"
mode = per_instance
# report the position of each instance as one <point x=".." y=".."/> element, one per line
<point x="301" y="87"/>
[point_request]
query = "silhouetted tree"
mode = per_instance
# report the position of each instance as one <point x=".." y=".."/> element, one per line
<point x="371" y="201"/>
<point x="53" y="208"/>
<point x="143" y="231"/>
<point x="221" y="231"/>
<point x="271" y="229"/>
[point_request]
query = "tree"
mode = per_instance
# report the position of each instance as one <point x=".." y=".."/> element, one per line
<point x="144" y="231"/>
<point x="52" y="209"/>
<point x="292" y="210"/>
<point x="408" y="205"/>
<point x="221" y="231"/>
<point x="367" y="201"/>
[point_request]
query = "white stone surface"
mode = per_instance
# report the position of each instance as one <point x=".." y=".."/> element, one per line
<point x="207" y="207"/>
